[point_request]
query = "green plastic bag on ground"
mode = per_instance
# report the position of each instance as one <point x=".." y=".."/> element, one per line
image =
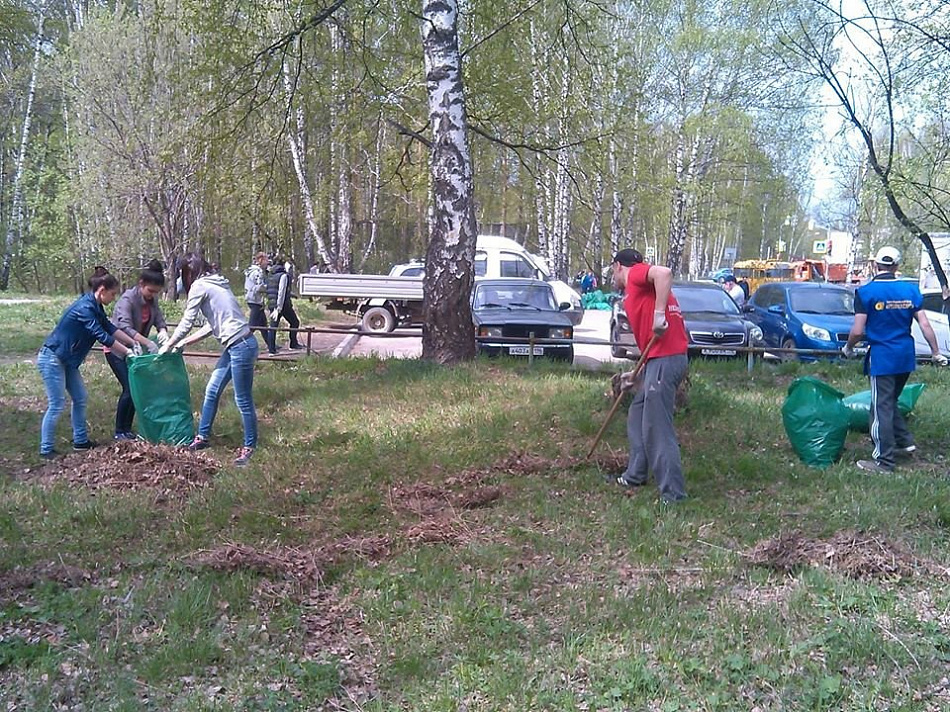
<point x="162" y="397"/>
<point x="816" y="421"/>
<point x="860" y="405"/>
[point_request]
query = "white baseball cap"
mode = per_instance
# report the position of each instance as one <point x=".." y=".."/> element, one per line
<point x="888" y="256"/>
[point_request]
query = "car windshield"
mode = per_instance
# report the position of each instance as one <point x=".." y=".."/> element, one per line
<point x="822" y="301"/>
<point x="694" y="300"/>
<point x="514" y="296"/>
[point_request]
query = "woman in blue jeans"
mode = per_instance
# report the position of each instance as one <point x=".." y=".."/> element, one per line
<point x="210" y="294"/>
<point x="64" y="350"/>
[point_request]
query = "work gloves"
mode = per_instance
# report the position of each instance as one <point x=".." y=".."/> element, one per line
<point x="938" y="360"/>
<point x="629" y="380"/>
<point x="162" y="337"/>
<point x="274" y="315"/>
<point x="168" y="346"/>
<point x="136" y="349"/>
<point x="660" y="324"/>
<point x="847" y="351"/>
<point x="152" y="347"/>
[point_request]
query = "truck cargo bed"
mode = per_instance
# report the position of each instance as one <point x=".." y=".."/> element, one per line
<point x="360" y="286"/>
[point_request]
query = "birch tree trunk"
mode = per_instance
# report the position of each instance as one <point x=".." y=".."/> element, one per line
<point x="448" y="331"/>
<point x="374" y="196"/>
<point x="294" y="142"/>
<point x="677" y="239"/>
<point x="15" y="226"/>
<point x="540" y="186"/>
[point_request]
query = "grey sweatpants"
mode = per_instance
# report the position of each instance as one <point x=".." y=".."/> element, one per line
<point x="888" y="429"/>
<point x="653" y="443"/>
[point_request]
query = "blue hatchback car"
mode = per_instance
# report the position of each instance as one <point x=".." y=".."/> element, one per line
<point x="802" y="315"/>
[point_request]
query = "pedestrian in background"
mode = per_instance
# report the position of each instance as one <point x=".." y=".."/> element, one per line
<point x="652" y="310"/>
<point x="255" y="292"/>
<point x="136" y="312"/>
<point x="884" y="309"/>
<point x="280" y="304"/>
<point x="210" y="295"/>
<point x="733" y="289"/>
<point x="83" y="323"/>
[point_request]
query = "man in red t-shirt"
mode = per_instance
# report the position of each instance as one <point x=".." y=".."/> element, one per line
<point x="653" y="310"/>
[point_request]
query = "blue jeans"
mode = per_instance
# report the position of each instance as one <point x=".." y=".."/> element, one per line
<point x="236" y="362"/>
<point x="59" y="380"/>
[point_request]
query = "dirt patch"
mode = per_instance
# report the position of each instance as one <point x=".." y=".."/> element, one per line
<point x="856" y="555"/>
<point x="131" y="465"/>
<point x="296" y="565"/>
<point x="29" y="404"/>
<point x="17" y="581"/>
<point x="529" y="464"/>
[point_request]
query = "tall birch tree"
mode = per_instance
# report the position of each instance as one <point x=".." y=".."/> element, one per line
<point x="448" y="333"/>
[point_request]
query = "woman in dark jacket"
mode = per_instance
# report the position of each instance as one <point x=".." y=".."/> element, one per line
<point x="136" y="312"/>
<point x="64" y="350"/>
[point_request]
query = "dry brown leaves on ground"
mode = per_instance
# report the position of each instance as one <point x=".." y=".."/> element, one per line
<point x="857" y="555"/>
<point x="132" y="465"/>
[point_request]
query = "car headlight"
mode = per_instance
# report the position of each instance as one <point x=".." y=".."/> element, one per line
<point x="565" y="332"/>
<point x="755" y="335"/>
<point x="494" y="331"/>
<point x="813" y="332"/>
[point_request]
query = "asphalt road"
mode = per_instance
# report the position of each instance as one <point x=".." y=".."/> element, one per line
<point x="595" y="326"/>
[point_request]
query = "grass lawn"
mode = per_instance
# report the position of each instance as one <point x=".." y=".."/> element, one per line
<point x="411" y="537"/>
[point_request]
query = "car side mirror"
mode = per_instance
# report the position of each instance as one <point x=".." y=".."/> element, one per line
<point x="777" y="309"/>
<point x="747" y="308"/>
<point x="563" y="306"/>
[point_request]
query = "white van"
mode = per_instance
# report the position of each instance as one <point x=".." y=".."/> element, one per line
<point x="496" y="257"/>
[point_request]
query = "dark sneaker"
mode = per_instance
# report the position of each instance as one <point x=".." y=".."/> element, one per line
<point x="908" y="451"/>
<point x="627" y="484"/>
<point x="88" y="445"/>
<point x="199" y="443"/>
<point x="296" y="347"/>
<point x="124" y="436"/>
<point x="874" y="466"/>
<point x="244" y="456"/>
<point x="51" y="455"/>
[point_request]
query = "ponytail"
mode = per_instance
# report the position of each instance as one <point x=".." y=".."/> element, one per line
<point x="153" y="274"/>
<point x="100" y="277"/>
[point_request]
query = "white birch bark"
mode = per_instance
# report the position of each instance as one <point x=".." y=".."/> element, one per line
<point x="374" y="194"/>
<point x="15" y="225"/>
<point x="538" y="101"/>
<point x="294" y="143"/>
<point x="447" y="335"/>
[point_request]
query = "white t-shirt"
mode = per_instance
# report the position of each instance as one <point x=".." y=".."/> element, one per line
<point x="738" y="296"/>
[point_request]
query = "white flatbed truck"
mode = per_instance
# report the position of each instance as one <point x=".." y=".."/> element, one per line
<point x="380" y="302"/>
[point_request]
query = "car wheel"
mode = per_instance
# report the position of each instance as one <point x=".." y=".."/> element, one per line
<point x="616" y="350"/>
<point x="789" y="343"/>
<point x="378" y="319"/>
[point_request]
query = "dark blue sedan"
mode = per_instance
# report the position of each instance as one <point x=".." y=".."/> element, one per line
<point x="802" y="315"/>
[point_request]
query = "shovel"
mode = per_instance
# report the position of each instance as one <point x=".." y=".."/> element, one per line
<point x="613" y="409"/>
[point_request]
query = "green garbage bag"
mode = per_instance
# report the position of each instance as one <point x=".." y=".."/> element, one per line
<point x="816" y="421"/>
<point x="162" y="398"/>
<point x="860" y="405"/>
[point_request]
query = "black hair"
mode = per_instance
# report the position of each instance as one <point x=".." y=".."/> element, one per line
<point x="153" y="274"/>
<point x="100" y="277"/>
<point x="628" y="257"/>
<point x="193" y="266"/>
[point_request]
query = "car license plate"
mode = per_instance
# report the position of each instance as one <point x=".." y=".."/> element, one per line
<point x="718" y="352"/>
<point x="523" y="350"/>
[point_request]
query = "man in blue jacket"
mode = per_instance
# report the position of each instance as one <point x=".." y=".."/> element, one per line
<point x="884" y="309"/>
